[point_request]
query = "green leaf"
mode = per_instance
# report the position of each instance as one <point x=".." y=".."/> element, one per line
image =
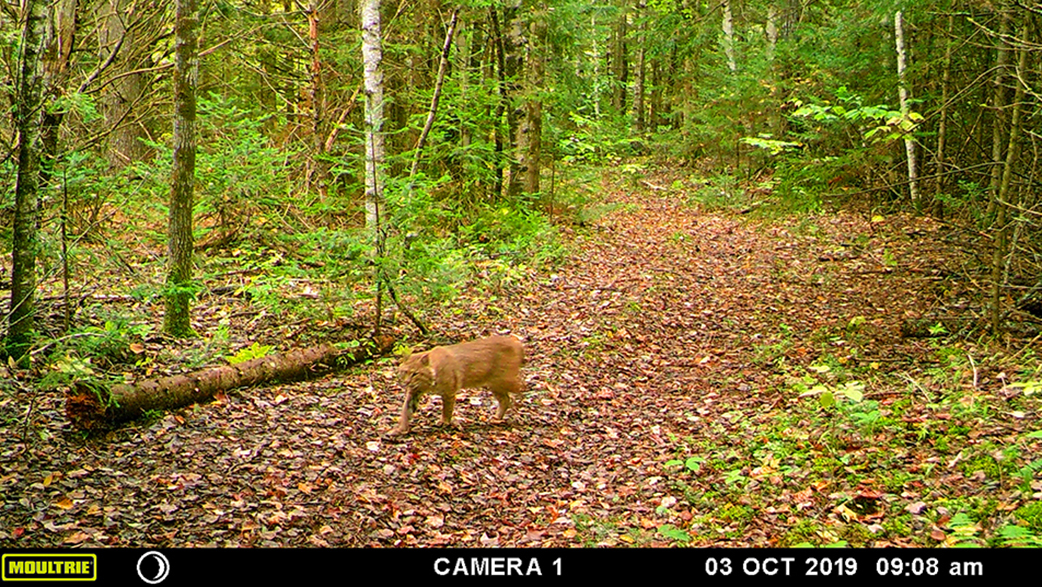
<point x="249" y="353"/>
<point x="1029" y="387"/>
<point x="854" y="390"/>
<point x="827" y="400"/>
<point x="694" y="463"/>
<point x="673" y="533"/>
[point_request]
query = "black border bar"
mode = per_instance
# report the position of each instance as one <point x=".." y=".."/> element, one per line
<point x="184" y="566"/>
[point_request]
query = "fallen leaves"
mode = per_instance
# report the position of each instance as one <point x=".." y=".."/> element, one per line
<point x="670" y="337"/>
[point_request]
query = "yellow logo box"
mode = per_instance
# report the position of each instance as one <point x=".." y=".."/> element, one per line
<point x="50" y="567"/>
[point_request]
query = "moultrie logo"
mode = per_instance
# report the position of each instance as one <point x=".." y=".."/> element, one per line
<point x="50" y="567"/>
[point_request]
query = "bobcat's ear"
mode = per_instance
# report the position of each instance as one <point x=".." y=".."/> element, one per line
<point x="425" y="359"/>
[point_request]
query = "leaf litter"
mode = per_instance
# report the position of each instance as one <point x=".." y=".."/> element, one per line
<point x="675" y="366"/>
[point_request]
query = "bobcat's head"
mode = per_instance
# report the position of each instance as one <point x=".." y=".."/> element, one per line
<point x="417" y="376"/>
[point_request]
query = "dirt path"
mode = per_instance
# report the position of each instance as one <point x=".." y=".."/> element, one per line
<point x="670" y="333"/>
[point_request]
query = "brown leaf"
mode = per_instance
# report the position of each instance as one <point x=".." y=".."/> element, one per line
<point x="76" y="537"/>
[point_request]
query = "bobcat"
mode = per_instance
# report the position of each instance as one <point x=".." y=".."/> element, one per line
<point x="493" y="362"/>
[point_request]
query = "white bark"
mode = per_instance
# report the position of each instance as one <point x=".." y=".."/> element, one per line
<point x="772" y="31"/>
<point x="728" y="26"/>
<point x="372" y="54"/>
<point x="902" y="93"/>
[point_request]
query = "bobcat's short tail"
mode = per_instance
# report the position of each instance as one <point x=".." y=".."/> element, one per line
<point x="524" y="355"/>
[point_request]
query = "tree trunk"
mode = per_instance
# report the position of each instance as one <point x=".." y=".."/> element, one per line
<point x="772" y="31"/>
<point x="534" y="104"/>
<point x="498" y="65"/>
<point x="620" y="65"/>
<point x="942" y="124"/>
<point x="28" y="108"/>
<point x="902" y="92"/>
<point x="999" y="107"/>
<point x="595" y="57"/>
<point x="1002" y="200"/>
<point x="728" y="40"/>
<point x="318" y="171"/>
<point x="776" y="120"/>
<point x="432" y="112"/>
<point x="55" y="74"/>
<point x="513" y="71"/>
<point x="179" y="288"/>
<point x="372" y="55"/>
<point x="464" y="44"/>
<point x="655" y="107"/>
<point x="639" y="67"/>
<point x="117" y="36"/>
<point x="266" y="75"/>
<point x="90" y="408"/>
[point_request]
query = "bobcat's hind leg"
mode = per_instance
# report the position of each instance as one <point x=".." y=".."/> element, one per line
<point x="448" y="402"/>
<point x="503" y="398"/>
<point x="503" y="390"/>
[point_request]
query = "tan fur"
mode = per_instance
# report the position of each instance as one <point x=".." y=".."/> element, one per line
<point x="493" y="362"/>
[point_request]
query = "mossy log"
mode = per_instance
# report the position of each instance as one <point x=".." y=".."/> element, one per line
<point x="89" y="407"/>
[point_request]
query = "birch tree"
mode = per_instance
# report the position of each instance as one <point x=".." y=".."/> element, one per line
<point x="372" y="55"/>
<point x="728" y="40"/>
<point x="902" y="93"/>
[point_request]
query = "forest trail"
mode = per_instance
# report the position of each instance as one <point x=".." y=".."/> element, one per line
<point x="670" y="332"/>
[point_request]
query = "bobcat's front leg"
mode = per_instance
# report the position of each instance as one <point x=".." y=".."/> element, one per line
<point x="448" y="402"/>
<point x="409" y="407"/>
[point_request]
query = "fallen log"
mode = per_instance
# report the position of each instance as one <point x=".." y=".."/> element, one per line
<point x="90" y="406"/>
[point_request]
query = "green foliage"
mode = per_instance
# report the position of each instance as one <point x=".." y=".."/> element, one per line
<point x="1031" y="515"/>
<point x="254" y="351"/>
<point x="111" y="343"/>
<point x="719" y="192"/>
<point x="673" y="533"/>
<point x="440" y="244"/>
<point x="238" y="172"/>
<point x="1019" y="537"/>
<point x="693" y="464"/>
<point x="874" y="123"/>
<point x="964" y="531"/>
<point x="772" y="146"/>
<point x="67" y="368"/>
<point x="595" y="140"/>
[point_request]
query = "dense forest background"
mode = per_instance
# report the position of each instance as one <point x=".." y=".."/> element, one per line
<point x="791" y="104"/>
<point x="194" y="181"/>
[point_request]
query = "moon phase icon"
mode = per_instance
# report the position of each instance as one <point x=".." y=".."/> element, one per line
<point x="158" y="567"/>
